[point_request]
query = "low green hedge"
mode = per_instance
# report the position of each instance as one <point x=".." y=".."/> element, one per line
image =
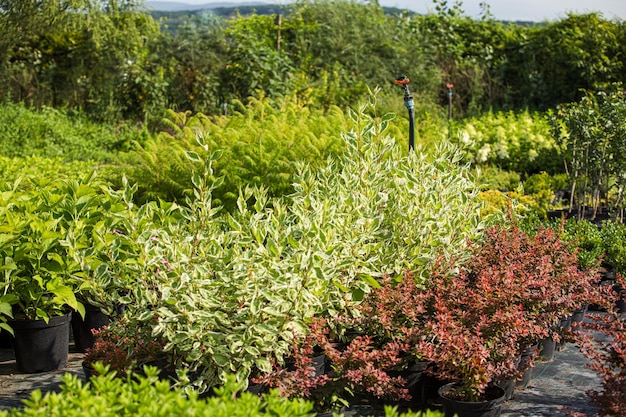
<point x="135" y="395"/>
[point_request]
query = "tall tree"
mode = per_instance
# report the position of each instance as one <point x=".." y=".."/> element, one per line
<point x="70" y="52"/>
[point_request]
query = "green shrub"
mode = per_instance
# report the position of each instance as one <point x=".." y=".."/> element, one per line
<point x="537" y="183"/>
<point x="520" y="142"/>
<point x="36" y="171"/>
<point x="535" y="205"/>
<point x="493" y="178"/>
<point x="53" y="133"/>
<point x="259" y="145"/>
<point x="586" y="236"/>
<point x="613" y="238"/>
<point x="136" y="395"/>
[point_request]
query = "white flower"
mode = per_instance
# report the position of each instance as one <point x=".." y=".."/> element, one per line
<point x="483" y="153"/>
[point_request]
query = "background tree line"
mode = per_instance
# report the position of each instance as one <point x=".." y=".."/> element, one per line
<point x="115" y="61"/>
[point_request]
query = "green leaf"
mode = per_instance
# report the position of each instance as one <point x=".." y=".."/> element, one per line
<point x="357" y="294"/>
<point x="6" y="309"/>
<point x="220" y="359"/>
<point x="371" y="281"/>
<point x="193" y="156"/>
<point x="7" y="328"/>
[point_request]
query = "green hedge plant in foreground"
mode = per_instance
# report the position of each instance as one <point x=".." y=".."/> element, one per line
<point x="146" y="396"/>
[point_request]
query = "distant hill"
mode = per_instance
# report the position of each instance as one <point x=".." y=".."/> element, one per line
<point x="175" y="6"/>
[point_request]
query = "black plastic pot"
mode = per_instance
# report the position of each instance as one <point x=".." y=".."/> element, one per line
<point x="5" y="340"/>
<point x="41" y="346"/>
<point x="579" y="315"/>
<point x="83" y="328"/>
<point x="490" y="407"/>
<point x="415" y="381"/>
<point x="527" y="356"/>
<point x="547" y="347"/>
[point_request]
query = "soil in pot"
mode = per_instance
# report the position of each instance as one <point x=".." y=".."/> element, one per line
<point x="41" y="346"/>
<point x="490" y="407"/>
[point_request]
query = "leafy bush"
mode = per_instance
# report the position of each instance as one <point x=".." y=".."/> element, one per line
<point x="259" y="145"/>
<point x="37" y="268"/>
<point x="106" y="395"/>
<point x="613" y="236"/>
<point x="532" y="206"/>
<point x="53" y="133"/>
<point x="587" y="238"/>
<point x="512" y="291"/>
<point x="359" y="368"/>
<point x="603" y="341"/>
<point x="519" y="142"/>
<point x="493" y="178"/>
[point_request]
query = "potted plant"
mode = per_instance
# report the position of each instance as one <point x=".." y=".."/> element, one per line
<point x="450" y="321"/>
<point x="359" y="368"/>
<point x="38" y="275"/>
<point x="124" y="345"/>
<point x="479" y="315"/>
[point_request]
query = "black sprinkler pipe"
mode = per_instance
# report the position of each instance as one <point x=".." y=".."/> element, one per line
<point x="410" y="105"/>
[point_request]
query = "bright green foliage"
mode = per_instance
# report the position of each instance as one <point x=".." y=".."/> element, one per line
<point x="539" y="182"/>
<point x="493" y="178"/>
<point x="586" y="236"/>
<point x="526" y="205"/>
<point x="136" y="395"/>
<point x="49" y="132"/>
<point x="260" y="145"/>
<point x="37" y="171"/>
<point x="594" y="135"/>
<point x="146" y="396"/>
<point x="35" y="265"/>
<point x="613" y="237"/>
<point x="111" y="249"/>
<point x="520" y="142"/>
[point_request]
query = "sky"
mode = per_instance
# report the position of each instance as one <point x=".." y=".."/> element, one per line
<point x="523" y="10"/>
